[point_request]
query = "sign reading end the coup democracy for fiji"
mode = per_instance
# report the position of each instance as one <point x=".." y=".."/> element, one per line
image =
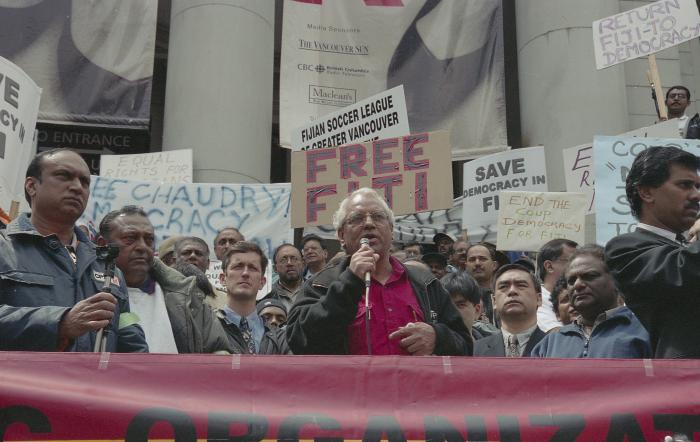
<point x="613" y="159"/>
<point x="486" y="177"/>
<point x="380" y="116"/>
<point x="413" y="173"/>
<point x="259" y="211"/>
<point x="527" y="220"/>
<point x="645" y="30"/>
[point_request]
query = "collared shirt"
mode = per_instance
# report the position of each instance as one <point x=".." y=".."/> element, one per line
<point x="659" y="231"/>
<point x="523" y="338"/>
<point x="682" y="125"/>
<point x="600" y="318"/>
<point x="256" y="324"/>
<point x="153" y="318"/>
<point x="392" y="305"/>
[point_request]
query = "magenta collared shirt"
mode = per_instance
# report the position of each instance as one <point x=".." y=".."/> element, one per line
<point x="391" y="305"/>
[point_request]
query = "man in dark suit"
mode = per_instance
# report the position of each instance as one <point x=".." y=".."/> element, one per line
<point x="657" y="272"/>
<point x="516" y="297"/>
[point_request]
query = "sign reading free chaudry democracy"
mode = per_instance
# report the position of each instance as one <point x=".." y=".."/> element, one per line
<point x="380" y="116"/>
<point x="613" y="158"/>
<point x="413" y="173"/>
<point x="527" y="220"/>
<point x="259" y="211"/>
<point x="19" y="107"/>
<point x="486" y="177"/>
<point x="645" y="30"/>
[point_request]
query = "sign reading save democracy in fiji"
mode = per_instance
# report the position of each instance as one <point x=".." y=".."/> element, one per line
<point x="613" y="159"/>
<point x="486" y="177"/>
<point x="412" y="172"/>
<point x="171" y="166"/>
<point x="259" y="211"/>
<point x="645" y="30"/>
<point x="379" y="116"/>
<point x="527" y="220"/>
<point x="19" y="107"/>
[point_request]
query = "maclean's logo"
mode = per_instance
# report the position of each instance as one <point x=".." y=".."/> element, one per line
<point x="310" y="67"/>
<point x="331" y="96"/>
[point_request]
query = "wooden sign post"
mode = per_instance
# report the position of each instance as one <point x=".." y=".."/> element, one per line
<point x="655" y="82"/>
<point x="14" y="210"/>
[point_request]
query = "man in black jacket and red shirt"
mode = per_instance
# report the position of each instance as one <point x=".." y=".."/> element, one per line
<point x="409" y="311"/>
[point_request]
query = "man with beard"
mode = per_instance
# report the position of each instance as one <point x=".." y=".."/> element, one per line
<point x="288" y="265"/>
<point x="658" y="272"/>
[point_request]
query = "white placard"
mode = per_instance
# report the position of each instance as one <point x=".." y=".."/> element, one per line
<point x="578" y="172"/>
<point x="172" y="166"/>
<point x="19" y="107"/>
<point x="486" y="177"/>
<point x="645" y="30"/>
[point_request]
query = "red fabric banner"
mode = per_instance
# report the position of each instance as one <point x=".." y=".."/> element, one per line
<point x="48" y="396"/>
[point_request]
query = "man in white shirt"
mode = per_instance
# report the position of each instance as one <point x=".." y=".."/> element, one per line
<point x="168" y="306"/>
<point x="677" y="101"/>
<point x="551" y="263"/>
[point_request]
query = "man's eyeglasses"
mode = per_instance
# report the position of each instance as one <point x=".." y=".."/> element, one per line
<point x="677" y="96"/>
<point x="286" y="259"/>
<point x="355" y="219"/>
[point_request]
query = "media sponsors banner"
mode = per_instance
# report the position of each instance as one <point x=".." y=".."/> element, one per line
<point x="613" y="158"/>
<point x="413" y="173"/>
<point x="527" y="220"/>
<point x="448" y="55"/>
<point x="486" y="177"/>
<point x="379" y="116"/>
<point x="259" y="211"/>
<point x="171" y="166"/>
<point x="58" y="396"/>
<point x="645" y="30"/>
<point x="19" y="105"/>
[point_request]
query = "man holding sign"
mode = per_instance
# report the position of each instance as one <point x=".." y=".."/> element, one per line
<point x="404" y="310"/>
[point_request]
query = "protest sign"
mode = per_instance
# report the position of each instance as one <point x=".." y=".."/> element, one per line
<point x="139" y="397"/>
<point x="447" y="55"/>
<point x="527" y="220"/>
<point x="413" y="173"/>
<point x="379" y="116"/>
<point x="645" y="30"/>
<point x="486" y="177"/>
<point x="259" y="211"/>
<point x="663" y="129"/>
<point x="172" y="166"/>
<point x="578" y="171"/>
<point x="214" y="271"/>
<point x="19" y="107"/>
<point x="614" y="157"/>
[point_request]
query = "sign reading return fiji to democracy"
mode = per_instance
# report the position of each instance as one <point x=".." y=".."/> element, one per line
<point x="613" y="159"/>
<point x="19" y="107"/>
<point x="259" y="211"/>
<point x="412" y="172"/>
<point x="380" y="116"/>
<point x="645" y="30"/>
<point x="486" y="177"/>
<point x="527" y="220"/>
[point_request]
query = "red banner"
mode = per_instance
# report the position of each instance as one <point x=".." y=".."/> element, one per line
<point x="48" y="396"/>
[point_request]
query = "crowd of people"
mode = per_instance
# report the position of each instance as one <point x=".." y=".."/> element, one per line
<point x="60" y="290"/>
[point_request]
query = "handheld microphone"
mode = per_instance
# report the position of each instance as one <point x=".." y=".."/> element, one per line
<point x="368" y="275"/>
<point x="108" y="254"/>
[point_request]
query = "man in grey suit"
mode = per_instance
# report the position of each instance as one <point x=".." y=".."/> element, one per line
<point x="516" y="297"/>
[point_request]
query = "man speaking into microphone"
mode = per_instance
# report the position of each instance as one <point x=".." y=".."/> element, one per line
<point x="402" y="311"/>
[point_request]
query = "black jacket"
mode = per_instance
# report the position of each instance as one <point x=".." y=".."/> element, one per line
<point x="693" y="129"/>
<point x="328" y="303"/>
<point x="493" y="345"/>
<point x="273" y="341"/>
<point x="661" y="282"/>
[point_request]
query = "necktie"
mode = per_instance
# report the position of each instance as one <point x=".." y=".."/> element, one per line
<point x="681" y="239"/>
<point x="513" y="349"/>
<point x="247" y="336"/>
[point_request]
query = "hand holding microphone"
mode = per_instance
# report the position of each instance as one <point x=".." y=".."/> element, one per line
<point x="363" y="261"/>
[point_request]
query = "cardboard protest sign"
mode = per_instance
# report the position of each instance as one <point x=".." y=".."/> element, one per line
<point x="412" y="172"/>
<point x="259" y="211"/>
<point x="19" y="107"/>
<point x="380" y="116"/>
<point x="663" y="129"/>
<point x="527" y="220"/>
<point x="645" y="30"/>
<point x="172" y="166"/>
<point x="578" y="172"/>
<point x="614" y="157"/>
<point x="486" y="177"/>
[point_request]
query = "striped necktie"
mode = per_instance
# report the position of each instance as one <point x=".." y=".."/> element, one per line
<point x="513" y="347"/>
<point x="247" y="336"/>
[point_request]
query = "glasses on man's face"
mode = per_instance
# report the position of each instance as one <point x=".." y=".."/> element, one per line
<point x="680" y="96"/>
<point x="290" y="259"/>
<point x="357" y="218"/>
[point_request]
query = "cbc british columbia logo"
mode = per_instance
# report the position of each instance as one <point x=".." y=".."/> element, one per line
<point x="311" y="67"/>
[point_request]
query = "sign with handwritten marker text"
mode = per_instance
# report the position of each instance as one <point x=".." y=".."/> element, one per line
<point x="170" y="166"/>
<point x="527" y="220"/>
<point x="578" y="171"/>
<point x="413" y="173"/>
